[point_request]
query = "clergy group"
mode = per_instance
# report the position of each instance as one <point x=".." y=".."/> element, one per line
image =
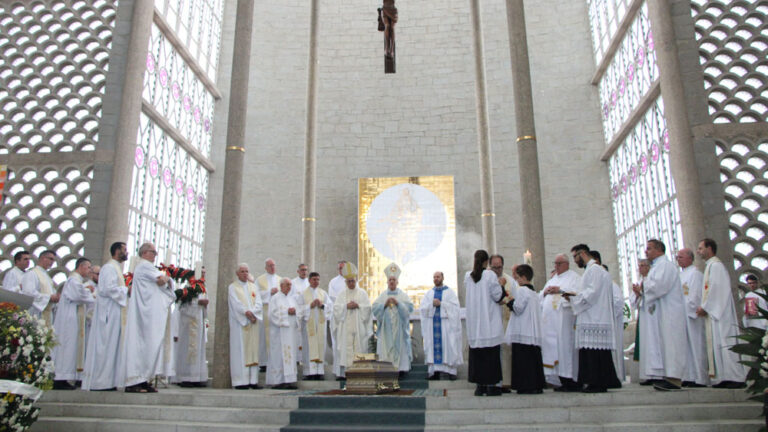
<point x="568" y="334"/>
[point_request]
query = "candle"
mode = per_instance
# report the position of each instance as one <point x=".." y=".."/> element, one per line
<point x="198" y="269"/>
<point x="527" y="259"/>
<point x="132" y="264"/>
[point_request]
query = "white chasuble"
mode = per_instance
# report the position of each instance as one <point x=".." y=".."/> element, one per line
<point x="353" y="327"/>
<point x="12" y="279"/>
<point x="282" y="335"/>
<point x="265" y="283"/>
<point x="393" y="338"/>
<point x="722" y="328"/>
<point x="105" y="340"/>
<point x="244" y="355"/>
<point x="147" y="324"/>
<point x="70" y="329"/>
<point x="696" y="371"/>
<point x="314" y="328"/>
<point x="441" y="337"/>
<point x="559" y="341"/>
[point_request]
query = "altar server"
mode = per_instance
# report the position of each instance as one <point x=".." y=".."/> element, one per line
<point x="524" y="334"/>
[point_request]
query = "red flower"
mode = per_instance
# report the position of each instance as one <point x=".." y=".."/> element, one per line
<point x="15" y="341"/>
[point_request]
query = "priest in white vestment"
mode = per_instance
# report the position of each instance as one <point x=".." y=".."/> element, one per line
<point x="12" y="278"/>
<point x="392" y="310"/>
<point x="662" y="288"/>
<point x="558" y="321"/>
<point x="722" y="327"/>
<point x="268" y="283"/>
<point x="298" y="285"/>
<point x="593" y="307"/>
<point x="336" y="286"/>
<point x="440" y="314"/>
<point x="351" y="322"/>
<point x="315" y="309"/>
<point x="693" y="285"/>
<point x="191" y="369"/>
<point x="283" y="332"/>
<point x="39" y="285"/>
<point x="92" y="283"/>
<point x="107" y="331"/>
<point x="245" y="316"/>
<point x="752" y="301"/>
<point x="508" y="284"/>
<point x="69" y="327"/>
<point x="147" y="326"/>
<point x="647" y="334"/>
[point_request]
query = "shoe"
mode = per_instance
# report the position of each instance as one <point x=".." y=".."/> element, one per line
<point x="108" y="389"/>
<point x="452" y="377"/>
<point x="138" y="388"/>
<point x="254" y="387"/>
<point x="592" y="389"/>
<point x="291" y="386"/>
<point x="494" y="391"/>
<point x="692" y="384"/>
<point x="727" y="385"/>
<point x="62" y="385"/>
<point x="200" y="384"/>
<point x="341" y="379"/>
<point x="401" y="375"/>
<point x="435" y="377"/>
<point x="242" y="387"/>
<point x="262" y="368"/>
<point x="319" y="377"/>
<point x="186" y="384"/>
<point x="664" y="385"/>
<point x="505" y="390"/>
<point x="480" y="390"/>
<point x="78" y="383"/>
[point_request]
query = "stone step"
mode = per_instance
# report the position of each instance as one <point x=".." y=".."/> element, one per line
<point x="333" y="417"/>
<point x="265" y="416"/>
<point x="676" y="426"/>
<point x="355" y="428"/>
<point x="596" y="415"/>
<point x="628" y="396"/>
<point x="79" y="424"/>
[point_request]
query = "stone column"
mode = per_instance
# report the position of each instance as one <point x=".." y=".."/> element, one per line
<point x="527" y="154"/>
<point x="229" y="241"/>
<point x="682" y="157"/>
<point x="116" y="226"/>
<point x="308" y="221"/>
<point x="483" y="134"/>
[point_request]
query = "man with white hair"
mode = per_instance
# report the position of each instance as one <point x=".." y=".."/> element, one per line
<point x="245" y="314"/>
<point x="693" y="286"/>
<point x="352" y="322"/>
<point x="283" y="331"/>
<point x="268" y="283"/>
<point x="392" y="310"/>
<point x="12" y="278"/>
<point x="147" y="325"/>
<point x="557" y="327"/>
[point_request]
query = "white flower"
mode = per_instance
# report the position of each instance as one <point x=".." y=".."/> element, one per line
<point x="763" y="373"/>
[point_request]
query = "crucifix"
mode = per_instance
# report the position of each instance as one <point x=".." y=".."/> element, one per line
<point x="387" y="21"/>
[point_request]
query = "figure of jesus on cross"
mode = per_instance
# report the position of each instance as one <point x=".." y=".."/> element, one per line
<point x="387" y="21"/>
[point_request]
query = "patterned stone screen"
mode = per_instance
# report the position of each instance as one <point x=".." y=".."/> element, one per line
<point x="733" y="51"/>
<point x="53" y="63"/>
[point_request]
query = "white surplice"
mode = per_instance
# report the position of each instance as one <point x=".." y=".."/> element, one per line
<point x="692" y="281"/>
<point x="449" y="312"/>
<point x="353" y="328"/>
<point x="593" y="307"/>
<point x="618" y="332"/>
<point x="525" y="323"/>
<point x="69" y="327"/>
<point x="147" y="327"/>
<point x="723" y="327"/>
<point x="283" y="331"/>
<point x="662" y="288"/>
<point x="265" y="283"/>
<point x="244" y="297"/>
<point x="38" y="284"/>
<point x="313" y="330"/>
<point x="393" y="337"/>
<point x="12" y="279"/>
<point x="483" y="319"/>
<point x="189" y="352"/>
<point x="106" y="336"/>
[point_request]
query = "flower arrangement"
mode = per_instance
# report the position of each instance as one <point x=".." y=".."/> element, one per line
<point x="26" y="368"/>
<point x="193" y="288"/>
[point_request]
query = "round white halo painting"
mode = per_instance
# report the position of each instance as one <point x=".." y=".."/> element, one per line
<point x="406" y="223"/>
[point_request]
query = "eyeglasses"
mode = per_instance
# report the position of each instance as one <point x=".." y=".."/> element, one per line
<point x="558" y="263"/>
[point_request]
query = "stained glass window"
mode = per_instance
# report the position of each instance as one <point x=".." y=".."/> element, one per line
<point x="605" y="17"/>
<point x="167" y="203"/>
<point x="629" y="75"/>
<point x="643" y="192"/>
<point x="198" y="24"/>
<point x="172" y="87"/>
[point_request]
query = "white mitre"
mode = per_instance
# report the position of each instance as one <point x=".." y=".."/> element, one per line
<point x="392" y="270"/>
<point x="349" y="271"/>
